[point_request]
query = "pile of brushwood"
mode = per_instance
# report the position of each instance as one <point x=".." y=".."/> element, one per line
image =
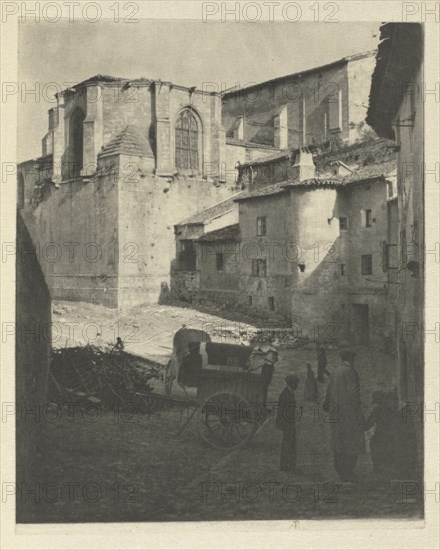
<point x="109" y="378"/>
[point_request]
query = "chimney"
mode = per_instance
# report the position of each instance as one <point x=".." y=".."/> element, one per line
<point x="239" y="129"/>
<point x="304" y="167"/>
<point x="281" y="131"/>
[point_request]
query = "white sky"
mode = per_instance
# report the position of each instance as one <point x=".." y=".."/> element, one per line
<point x="184" y="52"/>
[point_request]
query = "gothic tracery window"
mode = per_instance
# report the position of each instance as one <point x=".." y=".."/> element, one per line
<point x="187" y="141"/>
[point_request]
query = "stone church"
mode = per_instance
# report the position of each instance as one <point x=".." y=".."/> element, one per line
<point x="125" y="160"/>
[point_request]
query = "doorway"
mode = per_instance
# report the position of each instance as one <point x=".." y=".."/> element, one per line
<point x="361" y="328"/>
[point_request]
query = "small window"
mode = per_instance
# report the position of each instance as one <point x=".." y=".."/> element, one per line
<point x="343" y="223"/>
<point x="271" y="303"/>
<point x="249" y="300"/>
<point x="261" y="226"/>
<point x="368" y="218"/>
<point x="366" y="264"/>
<point x="302" y="267"/>
<point x="342" y="270"/>
<point x="219" y="261"/>
<point x="259" y="268"/>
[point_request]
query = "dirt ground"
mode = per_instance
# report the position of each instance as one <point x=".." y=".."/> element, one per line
<point x="128" y="467"/>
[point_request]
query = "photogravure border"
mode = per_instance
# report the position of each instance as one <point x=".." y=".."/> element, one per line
<point x="265" y="534"/>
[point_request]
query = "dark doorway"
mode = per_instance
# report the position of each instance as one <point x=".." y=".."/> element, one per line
<point x="360" y="325"/>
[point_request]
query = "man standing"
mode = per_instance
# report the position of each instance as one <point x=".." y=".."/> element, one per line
<point x="343" y="403"/>
<point x="285" y="421"/>
<point x="322" y="363"/>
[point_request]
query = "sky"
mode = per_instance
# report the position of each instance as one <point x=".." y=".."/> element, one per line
<point x="189" y="53"/>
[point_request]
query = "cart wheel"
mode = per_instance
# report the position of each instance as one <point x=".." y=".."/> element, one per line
<point x="169" y="378"/>
<point x="227" y="420"/>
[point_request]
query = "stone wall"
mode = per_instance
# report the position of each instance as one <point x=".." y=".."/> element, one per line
<point x="411" y="247"/>
<point x="32" y="350"/>
<point x="272" y="247"/>
<point x="211" y="279"/>
<point x="150" y="206"/>
<point x="76" y="232"/>
<point x="185" y="285"/>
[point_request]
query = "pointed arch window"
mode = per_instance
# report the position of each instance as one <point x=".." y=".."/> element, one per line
<point x="187" y="141"/>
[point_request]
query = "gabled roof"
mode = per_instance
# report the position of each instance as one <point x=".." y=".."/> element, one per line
<point x="228" y="233"/>
<point x="129" y="142"/>
<point x="202" y="216"/>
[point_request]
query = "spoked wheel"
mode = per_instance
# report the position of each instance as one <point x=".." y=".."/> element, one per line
<point x="169" y="378"/>
<point x="227" y="420"/>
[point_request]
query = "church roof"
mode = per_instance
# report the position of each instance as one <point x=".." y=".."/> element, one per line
<point x="279" y="79"/>
<point x="129" y="142"/>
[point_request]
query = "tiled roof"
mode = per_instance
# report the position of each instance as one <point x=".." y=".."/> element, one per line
<point x="276" y="155"/>
<point x="128" y="142"/>
<point x="228" y="233"/>
<point x="272" y="189"/>
<point x="250" y="144"/>
<point x="333" y="182"/>
<point x="200" y="217"/>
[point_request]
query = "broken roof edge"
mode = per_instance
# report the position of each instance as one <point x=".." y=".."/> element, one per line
<point x="106" y="80"/>
<point x="342" y="60"/>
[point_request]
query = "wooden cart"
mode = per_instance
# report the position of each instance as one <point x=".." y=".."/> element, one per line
<point x="231" y="391"/>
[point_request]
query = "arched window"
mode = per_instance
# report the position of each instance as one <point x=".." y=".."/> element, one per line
<point x="76" y="143"/>
<point x="187" y="141"/>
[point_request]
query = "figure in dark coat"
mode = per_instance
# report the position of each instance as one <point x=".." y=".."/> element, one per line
<point x="383" y="417"/>
<point x="191" y="366"/>
<point x="310" y="388"/>
<point x="322" y="363"/>
<point x="343" y="403"/>
<point x="393" y="446"/>
<point x="285" y="421"/>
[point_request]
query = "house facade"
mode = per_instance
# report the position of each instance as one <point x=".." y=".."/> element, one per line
<point x="316" y="249"/>
<point x="396" y="112"/>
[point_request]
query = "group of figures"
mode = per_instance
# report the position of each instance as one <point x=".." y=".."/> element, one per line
<point x="393" y="446"/>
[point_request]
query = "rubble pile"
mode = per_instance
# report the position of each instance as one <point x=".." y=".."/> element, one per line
<point x="248" y="335"/>
<point x="108" y="378"/>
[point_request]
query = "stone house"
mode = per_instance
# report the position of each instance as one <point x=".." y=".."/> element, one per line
<point x="396" y="111"/>
<point x="315" y="247"/>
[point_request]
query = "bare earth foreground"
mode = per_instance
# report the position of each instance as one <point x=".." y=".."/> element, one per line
<point x="133" y="467"/>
